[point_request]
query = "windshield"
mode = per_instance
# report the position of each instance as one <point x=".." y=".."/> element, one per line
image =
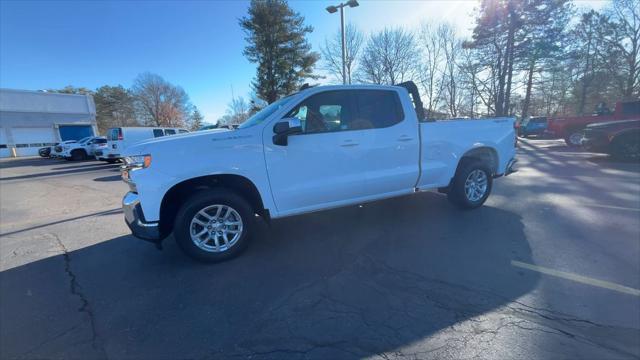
<point x="261" y="115"/>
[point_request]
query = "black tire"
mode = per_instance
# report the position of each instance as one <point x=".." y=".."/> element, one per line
<point x="573" y="134"/>
<point x="457" y="194"/>
<point x="626" y="147"/>
<point x="201" y="200"/>
<point x="78" y="155"/>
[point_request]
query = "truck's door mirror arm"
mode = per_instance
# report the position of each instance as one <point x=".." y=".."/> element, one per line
<point x="284" y="128"/>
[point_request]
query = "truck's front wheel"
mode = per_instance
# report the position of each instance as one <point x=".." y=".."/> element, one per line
<point x="214" y="225"/>
<point x="471" y="185"/>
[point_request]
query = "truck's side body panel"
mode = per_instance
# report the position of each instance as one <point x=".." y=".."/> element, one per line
<point x="445" y="142"/>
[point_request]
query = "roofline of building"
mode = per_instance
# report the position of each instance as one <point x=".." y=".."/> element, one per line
<point x="41" y="92"/>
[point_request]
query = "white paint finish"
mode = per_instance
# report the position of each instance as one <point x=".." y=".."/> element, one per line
<point x="88" y="146"/>
<point x="314" y="172"/>
<point x="131" y="136"/>
<point x="31" y="136"/>
<point x="445" y="142"/>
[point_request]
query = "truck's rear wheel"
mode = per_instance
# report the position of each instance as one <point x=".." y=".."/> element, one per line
<point x="214" y="225"/>
<point x="574" y="138"/>
<point x="471" y="185"/>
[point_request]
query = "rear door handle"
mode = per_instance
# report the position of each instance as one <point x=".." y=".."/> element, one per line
<point x="405" y="138"/>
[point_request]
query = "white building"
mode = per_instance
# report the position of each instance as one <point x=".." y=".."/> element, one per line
<point x="30" y="120"/>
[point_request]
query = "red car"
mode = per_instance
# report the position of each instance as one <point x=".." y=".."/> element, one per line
<point x="571" y="128"/>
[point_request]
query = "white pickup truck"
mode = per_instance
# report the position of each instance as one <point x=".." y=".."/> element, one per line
<point x="320" y="148"/>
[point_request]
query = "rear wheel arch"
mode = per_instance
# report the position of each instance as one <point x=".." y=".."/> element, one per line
<point x="177" y="194"/>
<point x="485" y="154"/>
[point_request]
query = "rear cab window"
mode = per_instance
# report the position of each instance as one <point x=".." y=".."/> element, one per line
<point x="169" y="131"/>
<point x="158" y="133"/>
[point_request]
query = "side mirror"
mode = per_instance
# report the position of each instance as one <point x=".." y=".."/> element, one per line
<point x="284" y="128"/>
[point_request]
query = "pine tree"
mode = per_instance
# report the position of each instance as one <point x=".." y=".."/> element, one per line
<point x="276" y="37"/>
<point x="196" y="120"/>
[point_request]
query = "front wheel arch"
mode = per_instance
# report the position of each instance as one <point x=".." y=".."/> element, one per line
<point x="178" y="193"/>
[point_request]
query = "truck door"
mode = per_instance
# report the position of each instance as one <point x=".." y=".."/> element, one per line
<point x="322" y="165"/>
<point x="391" y="141"/>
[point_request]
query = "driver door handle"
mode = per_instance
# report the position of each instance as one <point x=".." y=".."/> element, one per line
<point x="405" y="138"/>
<point x="349" y="143"/>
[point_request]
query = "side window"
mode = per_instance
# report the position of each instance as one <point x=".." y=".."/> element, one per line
<point x="158" y="132"/>
<point x="324" y="112"/>
<point x="169" y="131"/>
<point x="182" y="131"/>
<point x="377" y="109"/>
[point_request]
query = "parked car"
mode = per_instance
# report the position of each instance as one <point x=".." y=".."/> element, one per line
<point x="532" y="126"/>
<point x="617" y="138"/>
<point x="571" y="128"/>
<point x="120" y="138"/>
<point x="56" y="151"/>
<point x="82" y="149"/>
<point x="45" y="151"/>
<point x="320" y="148"/>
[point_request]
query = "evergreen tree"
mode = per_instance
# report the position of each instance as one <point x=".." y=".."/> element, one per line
<point x="276" y="42"/>
<point x="114" y="107"/>
<point x="196" y="120"/>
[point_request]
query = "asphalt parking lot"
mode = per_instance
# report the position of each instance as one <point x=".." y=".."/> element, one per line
<point x="548" y="268"/>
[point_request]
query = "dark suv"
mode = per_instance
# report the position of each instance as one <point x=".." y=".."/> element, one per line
<point x="617" y="138"/>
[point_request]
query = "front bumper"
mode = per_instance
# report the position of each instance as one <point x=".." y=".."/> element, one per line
<point x="134" y="218"/>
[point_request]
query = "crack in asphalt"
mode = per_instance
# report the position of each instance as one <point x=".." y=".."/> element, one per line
<point x="76" y="290"/>
<point x="476" y="318"/>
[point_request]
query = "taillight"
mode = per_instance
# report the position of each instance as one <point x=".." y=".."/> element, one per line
<point x="119" y="134"/>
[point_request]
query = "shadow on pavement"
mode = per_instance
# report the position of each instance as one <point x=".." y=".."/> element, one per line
<point x="30" y="161"/>
<point x="108" y="178"/>
<point x="100" y="213"/>
<point x="54" y="172"/>
<point x="345" y="283"/>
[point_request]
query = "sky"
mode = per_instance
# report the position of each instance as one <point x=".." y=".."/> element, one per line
<point x="194" y="44"/>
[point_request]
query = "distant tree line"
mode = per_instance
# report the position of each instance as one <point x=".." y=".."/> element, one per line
<point x="525" y="57"/>
<point x="151" y="101"/>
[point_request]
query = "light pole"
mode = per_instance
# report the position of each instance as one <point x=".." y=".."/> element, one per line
<point x="331" y="9"/>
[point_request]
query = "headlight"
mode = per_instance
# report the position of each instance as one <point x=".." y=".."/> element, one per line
<point x="137" y="161"/>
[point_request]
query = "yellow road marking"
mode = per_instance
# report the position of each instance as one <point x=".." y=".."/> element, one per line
<point x="578" y="278"/>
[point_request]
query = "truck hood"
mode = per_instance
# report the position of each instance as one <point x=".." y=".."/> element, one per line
<point x="177" y="143"/>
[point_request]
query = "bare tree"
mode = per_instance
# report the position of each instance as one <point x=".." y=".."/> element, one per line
<point x="159" y="102"/>
<point x="332" y="52"/>
<point x="625" y="15"/>
<point x="391" y="56"/>
<point x="238" y="110"/>
<point x="431" y="67"/>
<point x="452" y="47"/>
